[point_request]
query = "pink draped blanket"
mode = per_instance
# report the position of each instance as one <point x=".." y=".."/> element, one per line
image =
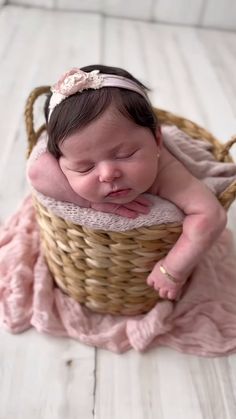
<point x="203" y="322"/>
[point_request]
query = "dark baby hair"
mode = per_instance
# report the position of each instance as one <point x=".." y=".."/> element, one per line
<point x="80" y="109"/>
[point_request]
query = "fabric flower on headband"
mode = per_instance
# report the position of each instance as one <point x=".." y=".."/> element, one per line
<point x="77" y="80"/>
<point x="72" y="82"/>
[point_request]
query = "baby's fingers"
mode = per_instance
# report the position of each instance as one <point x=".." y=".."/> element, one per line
<point x="172" y="295"/>
<point x="115" y="209"/>
<point x="143" y="201"/>
<point x="162" y="292"/>
<point x="150" y="281"/>
<point x="138" y="207"/>
<point x="125" y="212"/>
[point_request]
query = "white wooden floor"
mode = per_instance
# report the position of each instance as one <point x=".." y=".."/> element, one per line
<point x="192" y="72"/>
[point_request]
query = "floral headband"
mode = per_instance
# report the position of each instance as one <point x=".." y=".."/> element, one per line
<point x="76" y="80"/>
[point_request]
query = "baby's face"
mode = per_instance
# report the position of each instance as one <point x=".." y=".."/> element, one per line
<point x="110" y="160"/>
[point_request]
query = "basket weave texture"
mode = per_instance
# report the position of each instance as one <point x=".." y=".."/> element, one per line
<point x="106" y="271"/>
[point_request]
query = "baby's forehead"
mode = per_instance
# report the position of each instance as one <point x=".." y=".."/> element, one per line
<point x="111" y="124"/>
<point x="108" y="133"/>
<point x="112" y="116"/>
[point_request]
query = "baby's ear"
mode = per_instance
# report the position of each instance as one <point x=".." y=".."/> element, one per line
<point x="159" y="136"/>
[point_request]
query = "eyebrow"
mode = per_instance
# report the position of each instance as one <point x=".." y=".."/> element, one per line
<point x="77" y="161"/>
<point x="81" y="163"/>
<point x="111" y="151"/>
<point x="125" y="145"/>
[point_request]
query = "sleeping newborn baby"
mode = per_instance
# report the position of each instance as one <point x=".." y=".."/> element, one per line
<point x="105" y="150"/>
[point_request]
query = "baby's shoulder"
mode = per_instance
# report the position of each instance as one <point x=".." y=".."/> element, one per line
<point x="170" y="171"/>
<point x="166" y="164"/>
<point x="166" y="159"/>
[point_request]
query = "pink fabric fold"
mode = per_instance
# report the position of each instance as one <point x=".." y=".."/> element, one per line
<point x="202" y="322"/>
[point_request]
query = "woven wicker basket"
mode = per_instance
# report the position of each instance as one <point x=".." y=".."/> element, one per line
<point x="106" y="271"/>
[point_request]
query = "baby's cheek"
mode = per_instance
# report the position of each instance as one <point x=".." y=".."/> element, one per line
<point x="75" y="183"/>
<point x="67" y="174"/>
<point x="82" y="186"/>
<point x="63" y="169"/>
<point x="144" y="175"/>
<point x="61" y="163"/>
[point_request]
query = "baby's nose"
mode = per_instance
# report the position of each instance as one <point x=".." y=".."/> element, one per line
<point x="108" y="172"/>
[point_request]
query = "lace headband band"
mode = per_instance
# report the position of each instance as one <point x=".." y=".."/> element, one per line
<point x="76" y="80"/>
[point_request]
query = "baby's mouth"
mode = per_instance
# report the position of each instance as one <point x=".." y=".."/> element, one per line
<point x="119" y="192"/>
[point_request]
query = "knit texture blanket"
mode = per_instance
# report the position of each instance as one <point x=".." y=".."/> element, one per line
<point x="202" y="322"/>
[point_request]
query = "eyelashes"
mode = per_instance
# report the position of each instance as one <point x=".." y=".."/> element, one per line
<point x="125" y="156"/>
<point x="118" y="157"/>
<point x="88" y="169"/>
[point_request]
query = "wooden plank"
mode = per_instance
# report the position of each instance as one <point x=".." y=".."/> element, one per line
<point x="48" y="4"/>
<point x="180" y="11"/>
<point x="45" y="377"/>
<point x="210" y="13"/>
<point x="223" y="63"/>
<point x="220" y="14"/>
<point x="81" y="5"/>
<point x="163" y="384"/>
<point x="128" y="9"/>
<point x="122" y="8"/>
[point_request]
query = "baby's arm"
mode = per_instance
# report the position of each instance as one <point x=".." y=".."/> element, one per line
<point x="205" y="220"/>
<point x="46" y="177"/>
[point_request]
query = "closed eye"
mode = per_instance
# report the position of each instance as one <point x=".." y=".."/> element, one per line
<point x="125" y="155"/>
<point x="84" y="170"/>
<point x="88" y="169"/>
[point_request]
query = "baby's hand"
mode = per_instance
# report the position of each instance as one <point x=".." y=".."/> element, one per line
<point x="163" y="285"/>
<point x="140" y="205"/>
